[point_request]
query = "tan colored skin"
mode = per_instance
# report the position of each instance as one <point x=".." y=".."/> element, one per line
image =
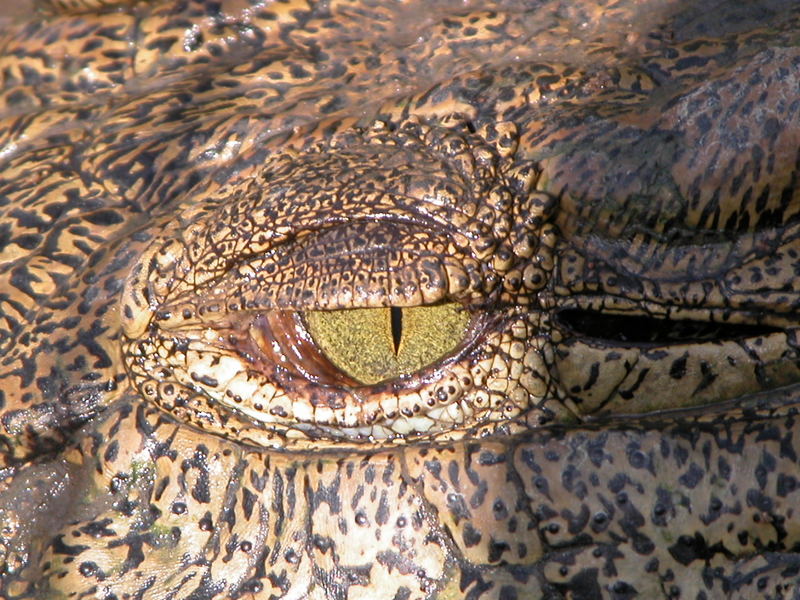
<point x="182" y="181"/>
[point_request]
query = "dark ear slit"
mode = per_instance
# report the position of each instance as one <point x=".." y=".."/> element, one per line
<point x="639" y="329"/>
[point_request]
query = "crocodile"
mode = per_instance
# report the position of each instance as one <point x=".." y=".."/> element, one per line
<point x="353" y="299"/>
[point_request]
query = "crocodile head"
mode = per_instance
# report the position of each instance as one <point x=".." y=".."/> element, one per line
<point x="340" y="301"/>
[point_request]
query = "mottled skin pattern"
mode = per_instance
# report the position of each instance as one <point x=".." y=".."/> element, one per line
<point x="608" y="188"/>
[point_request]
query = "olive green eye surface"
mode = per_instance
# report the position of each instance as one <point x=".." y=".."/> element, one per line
<point x="375" y="344"/>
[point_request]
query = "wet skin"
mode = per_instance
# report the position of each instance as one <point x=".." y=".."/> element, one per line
<point x="310" y="301"/>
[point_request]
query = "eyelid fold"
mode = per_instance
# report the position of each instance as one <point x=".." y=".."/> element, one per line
<point x="360" y="265"/>
<point x="466" y="188"/>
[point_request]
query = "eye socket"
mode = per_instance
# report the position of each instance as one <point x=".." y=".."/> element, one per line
<point x="375" y="344"/>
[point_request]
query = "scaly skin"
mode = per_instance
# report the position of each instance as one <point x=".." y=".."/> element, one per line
<point x="608" y="190"/>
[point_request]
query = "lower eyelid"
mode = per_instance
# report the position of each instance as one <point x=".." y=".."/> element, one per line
<point x="280" y="386"/>
<point x="282" y="339"/>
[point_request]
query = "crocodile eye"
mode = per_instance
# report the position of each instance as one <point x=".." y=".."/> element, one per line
<point x="375" y="344"/>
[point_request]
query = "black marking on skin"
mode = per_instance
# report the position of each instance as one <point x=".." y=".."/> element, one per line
<point x="629" y="393"/>
<point x="690" y="548"/>
<point x="135" y="555"/>
<point x="582" y="585"/>
<point x="576" y="522"/>
<point x="98" y="528"/>
<point x="759" y="500"/>
<point x="471" y="575"/>
<point x="594" y="373"/>
<point x="88" y="569"/>
<point x="403" y="593"/>
<point x="201" y="489"/>
<point x="708" y="377"/>
<point x="692" y="477"/>
<point x="458" y="507"/>
<point x="205" y="380"/>
<point x="478" y="498"/>
<point x="59" y="547"/>
<point x="382" y="513"/>
<point x="388" y="472"/>
<point x="453" y="473"/>
<point x="89" y="340"/>
<point x="639" y="459"/>
<point x="142" y="424"/>
<point x="663" y="508"/>
<point x="678" y="368"/>
<point x="248" y="502"/>
<point x="596" y="450"/>
<point x="110" y="454"/>
<point x="277" y="504"/>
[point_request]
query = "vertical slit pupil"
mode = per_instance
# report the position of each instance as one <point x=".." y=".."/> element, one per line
<point x="396" y="315"/>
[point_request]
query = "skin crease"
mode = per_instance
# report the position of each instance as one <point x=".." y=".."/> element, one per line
<point x="606" y="190"/>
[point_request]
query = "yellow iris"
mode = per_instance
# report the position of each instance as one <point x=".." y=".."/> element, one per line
<point x="376" y="344"/>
